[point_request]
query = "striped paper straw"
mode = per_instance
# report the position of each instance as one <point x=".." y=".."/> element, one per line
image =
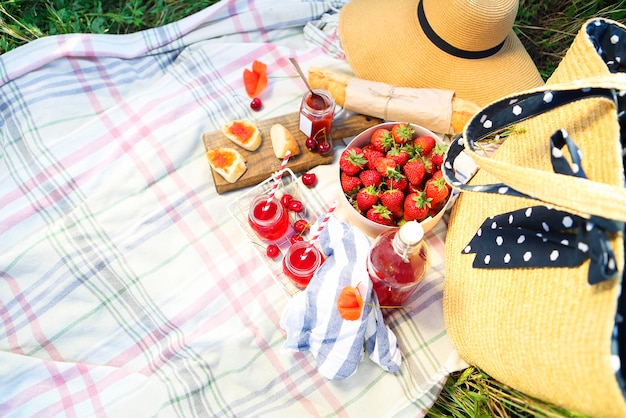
<point x="320" y="228"/>
<point x="277" y="178"/>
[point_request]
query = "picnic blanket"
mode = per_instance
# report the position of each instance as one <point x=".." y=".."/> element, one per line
<point x="126" y="289"/>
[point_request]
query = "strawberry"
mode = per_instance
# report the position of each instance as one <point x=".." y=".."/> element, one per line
<point x="414" y="170"/>
<point x="439" y="174"/>
<point x="384" y="164"/>
<point x="399" y="154"/>
<point x="396" y="180"/>
<point x="352" y="161"/>
<point x="366" y="197"/>
<point x="393" y="199"/>
<point x="436" y="190"/>
<point x="424" y="144"/>
<point x="381" y="140"/>
<point x="434" y="210"/>
<point x="350" y="184"/>
<point x="438" y="153"/>
<point x="402" y="133"/>
<point x="370" y="177"/>
<point x="380" y="214"/>
<point x="416" y="206"/>
<point x="429" y="166"/>
<point x="371" y="155"/>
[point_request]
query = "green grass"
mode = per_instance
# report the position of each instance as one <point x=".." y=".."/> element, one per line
<point x="22" y="21"/>
<point x="545" y="27"/>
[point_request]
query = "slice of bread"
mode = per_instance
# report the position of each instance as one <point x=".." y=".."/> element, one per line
<point x="227" y="162"/>
<point x="283" y="141"/>
<point x="243" y="133"/>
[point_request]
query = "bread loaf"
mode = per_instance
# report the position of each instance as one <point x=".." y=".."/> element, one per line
<point x="336" y="84"/>
<point x="243" y="133"/>
<point x="227" y="162"/>
<point x="283" y="141"/>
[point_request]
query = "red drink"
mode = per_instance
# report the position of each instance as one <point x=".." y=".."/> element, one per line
<point x="397" y="264"/>
<point x="269" y="220"/>
<point x="298" y="267"/>
<point x="316" y="117"/>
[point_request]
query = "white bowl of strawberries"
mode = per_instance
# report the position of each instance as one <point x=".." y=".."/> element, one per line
<point x="389" y="174"/>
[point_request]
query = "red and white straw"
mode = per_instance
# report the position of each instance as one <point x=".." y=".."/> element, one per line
<point x="320" y="228"/>
<point x="278" y="176"/>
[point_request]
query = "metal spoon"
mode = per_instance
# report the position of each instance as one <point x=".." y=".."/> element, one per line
<point x="317" y="101"/>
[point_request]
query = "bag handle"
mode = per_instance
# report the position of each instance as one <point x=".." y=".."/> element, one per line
<point x="600" y="199"/>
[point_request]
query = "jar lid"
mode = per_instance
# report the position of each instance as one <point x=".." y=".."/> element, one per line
<point x="411" y="233"/>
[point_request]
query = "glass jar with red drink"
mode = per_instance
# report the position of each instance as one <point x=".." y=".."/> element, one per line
<point x="268" y="218"/>
<point x="316" y="118"/>
<point x="299" y="265"/>
<point x="398" y="261"/>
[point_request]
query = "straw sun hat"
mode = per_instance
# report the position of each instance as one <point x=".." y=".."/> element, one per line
<point x="463" y="45"/>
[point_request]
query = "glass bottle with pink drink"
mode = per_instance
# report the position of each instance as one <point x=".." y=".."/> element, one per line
<point x="398" y="261"/>
<point x="268" y="218"/>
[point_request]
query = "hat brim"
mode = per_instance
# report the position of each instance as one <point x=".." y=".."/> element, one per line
<point x="388" y="45"/>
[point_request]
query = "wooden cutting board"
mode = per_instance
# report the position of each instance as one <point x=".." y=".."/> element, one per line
<point x="262" y="162"/>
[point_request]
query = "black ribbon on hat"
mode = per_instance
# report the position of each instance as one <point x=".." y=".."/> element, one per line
<point x="442" y="44"/>
<point x="541" y="237"/>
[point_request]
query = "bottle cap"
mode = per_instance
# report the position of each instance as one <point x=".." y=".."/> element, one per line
<point x="411" y="233"/>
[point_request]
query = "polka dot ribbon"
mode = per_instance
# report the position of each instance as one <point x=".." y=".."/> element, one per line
<point x="537" y="236"/>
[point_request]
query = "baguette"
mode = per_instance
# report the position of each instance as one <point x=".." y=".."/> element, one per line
<point x="283" y="141"/>
<point x="336" y="84"/>
<point x="243" y="133"/>
<point x="227" y="162"/>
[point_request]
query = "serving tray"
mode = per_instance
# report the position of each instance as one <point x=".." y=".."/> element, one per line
<point x="262" y="162"/>
<point x="313" y="208"/>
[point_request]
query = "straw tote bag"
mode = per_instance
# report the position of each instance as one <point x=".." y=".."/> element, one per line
<point x="535" y="243"/>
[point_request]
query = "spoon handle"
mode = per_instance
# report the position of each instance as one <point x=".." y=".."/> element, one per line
<point x="295" y="64"/>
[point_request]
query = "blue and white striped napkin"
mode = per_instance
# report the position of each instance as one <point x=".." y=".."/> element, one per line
<point x="313" y="323"/>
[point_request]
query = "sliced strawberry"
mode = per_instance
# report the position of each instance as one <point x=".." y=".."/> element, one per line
<point x="384" y="164"/>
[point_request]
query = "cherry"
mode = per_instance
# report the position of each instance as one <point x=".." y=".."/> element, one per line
<point x="295" y="206"/>
<point x="311" y="144"/>
<point x="285" y="200"/>
<point x="324" y="147"/>
<point x="295" y="238"/>
<point x="272" y="251"/>
<point x="309" y="179"/>
<point x="301" y="226"/>
<point x="256" y="104"/>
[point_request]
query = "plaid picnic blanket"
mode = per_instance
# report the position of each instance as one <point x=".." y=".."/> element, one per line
<point x="126" y="289"/>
